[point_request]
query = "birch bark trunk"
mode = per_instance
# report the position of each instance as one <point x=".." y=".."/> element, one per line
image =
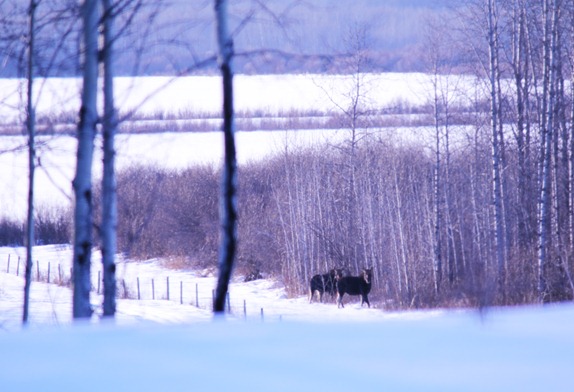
<point x="496" y="155"/>
<point x="550" y="14"/>
<point x="109" y="203"/>
<point x="82" y="183"/>
<point x="30" y="124"/>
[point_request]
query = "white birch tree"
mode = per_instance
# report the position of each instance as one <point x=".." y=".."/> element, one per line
<point x="82" y="183"/>
<point x="109" y="202"/>
<point x="496" y="153"/>
<point x="544" y="214"/>
<point x="30" y="125"/>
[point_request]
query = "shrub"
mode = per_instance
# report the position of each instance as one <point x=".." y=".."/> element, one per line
<point x="11" y="232"/>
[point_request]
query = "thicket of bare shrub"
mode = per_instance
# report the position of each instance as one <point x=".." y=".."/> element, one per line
<point x="52" y="226"/>
<point x="304" y="212"/>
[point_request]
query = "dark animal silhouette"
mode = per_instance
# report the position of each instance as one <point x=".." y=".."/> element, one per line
<point x="326" y="283"/>
<point x="355" y="285"/>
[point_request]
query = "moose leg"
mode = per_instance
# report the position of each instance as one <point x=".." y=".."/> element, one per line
<point x="340" y="300"/>
<point x="323" y="288"/>
<point x="365" y="298"/>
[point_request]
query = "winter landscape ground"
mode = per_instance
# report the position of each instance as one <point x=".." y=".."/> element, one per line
<point x="165" y="345"/>
<point x="161" y="344"/>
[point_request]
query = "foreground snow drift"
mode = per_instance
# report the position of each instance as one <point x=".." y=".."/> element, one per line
<point x="510" y="350"/>
<point x="163" y="345"/>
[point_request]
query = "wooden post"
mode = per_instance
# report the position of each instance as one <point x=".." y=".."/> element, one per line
<point x="8" y="268"/>
<point x="196" y="295"/>
<point x="139" y="294"/>
<point x="125" y="288"/>
<point x="245" y="309"/>
<point x="168" y="288"/>
<point x="18" y="267"/>
<point x="152" y="289"/>
<point x="99" y="279"/>
<point x="38" y="269"/>
<point x="60" y="273"/>
<point x="181" y="292"/>
<point x="48" y="272"/>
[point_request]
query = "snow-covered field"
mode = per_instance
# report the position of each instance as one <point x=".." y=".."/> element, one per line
<point x="165" y="345"/>
<point x="191" y="96"/>
<point x="272" y="94"/>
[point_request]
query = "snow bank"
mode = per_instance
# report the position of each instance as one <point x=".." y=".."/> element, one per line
<point x="511" y="350"/>
<point x="164" y="345"/>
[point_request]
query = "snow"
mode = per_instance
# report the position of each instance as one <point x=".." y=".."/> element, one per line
<point x="254" y="93"/>
<point x="164" y="345"/>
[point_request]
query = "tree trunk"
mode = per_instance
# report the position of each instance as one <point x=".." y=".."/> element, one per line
<point x="83" y="180"/>
<point x="546" y="146"/>
<point x="520" y="79"/>
<point x="109" y="213"/>
<point x="229" y="181"/>
<point x="496" y="155"/>
<point x="31" y="124"/>
<point x="437" y="263"/>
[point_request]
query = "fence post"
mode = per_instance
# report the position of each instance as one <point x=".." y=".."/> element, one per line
<point x="139" y="295"/>
<point x="99" y="279"/>
<point x="152" y="289"/>
<point x="228" y="303"/>
<point x="261" y="314"/>
<point x="38" y="269"/>
<point x="48" y="272"/>
<point x="245" y="309"/>
<point x="168" y="288"/>
<point x="8" y="268"/>
<point x="196" y="295"/>
<point x="125" y="288"/>
<point x="181" y="292"/>
<point x="60" y="273"/>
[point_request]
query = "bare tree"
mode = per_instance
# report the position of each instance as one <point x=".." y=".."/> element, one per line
<point x="495" y="120"/>
<point x="228" y="201"/>
<point x="521" y="71"/>
<point x="550" y="32"/>
<point x="30" y="124"/>
<point x="83" y="213"/>
<point x="109" y="203"/>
